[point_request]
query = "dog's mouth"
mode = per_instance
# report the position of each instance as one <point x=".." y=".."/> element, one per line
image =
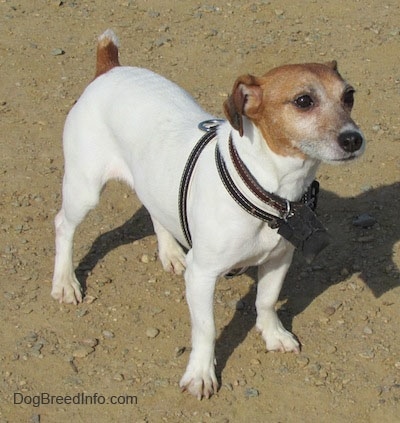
<point x="346" y="159"/>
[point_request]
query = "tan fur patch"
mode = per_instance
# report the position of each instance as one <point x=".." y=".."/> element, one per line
<point x="107" y="56"/>
<point x="282" y="124"/>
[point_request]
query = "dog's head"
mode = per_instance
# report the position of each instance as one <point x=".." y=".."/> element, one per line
<point x="301" y="110"/>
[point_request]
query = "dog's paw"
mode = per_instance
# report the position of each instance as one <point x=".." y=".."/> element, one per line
<point x="199" y="384"/>
<point x="69" y="291"/>
<point x="277" y="338"/>
<point x="173" y="259"/>
<point x="282" y="341"/>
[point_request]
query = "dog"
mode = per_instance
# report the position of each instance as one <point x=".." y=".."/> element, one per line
<point x="136" y="126"/>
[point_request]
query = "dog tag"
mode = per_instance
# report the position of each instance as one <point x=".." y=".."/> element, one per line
<point x="305" y="231"/>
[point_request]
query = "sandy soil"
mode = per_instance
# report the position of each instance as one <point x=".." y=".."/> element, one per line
<point x="129" y="341"/>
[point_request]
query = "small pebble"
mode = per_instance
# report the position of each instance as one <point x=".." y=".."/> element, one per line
<point x="156" y="310"/>
<point x="240" y="382"/>
<point x="82" y="352"/>
<point x="366" y="239"/>
<point x="331" y="349"/>
<point x="364" y="220"/>
<point x="329" y="311"/>
<point x="179" y="351"/>
<point x="251" y="393"/>
<point x="57" y="52"/>
<point x="161" y="382"/>
<point x="31" y="337"/>
<point x="108" y="334"/>
<point x="35" y="418"/>
<point x="366" y="188"/>
<point x="81" y="312"/>
<point x="90" y="342"/>
<point x="251" y="372"/>
<point x="106" y="281"/>
<point x="161" y="41"/>
<point x="89" y="299"/>
<point x="152" y="332"/>
<point x="145" y="258"/>
<point x="345" y="271"/>
<point x="315" y="368"/>
<point x="228" y="386"/>
<point x="367" y="354"/>
<point x="367" y="330"/>
<point x="36" y="349"/>
<point x="302" y="360"/>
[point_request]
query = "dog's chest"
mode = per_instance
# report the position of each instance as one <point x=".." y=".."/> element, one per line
<point x="258" y="245"/>
<point x="269" y="245"/>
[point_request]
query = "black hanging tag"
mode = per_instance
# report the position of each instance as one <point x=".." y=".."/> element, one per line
<point x="305" y="231"/>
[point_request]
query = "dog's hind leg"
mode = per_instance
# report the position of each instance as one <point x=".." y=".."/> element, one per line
<point x="170" y="252"/>
<point x="79" y="196"/>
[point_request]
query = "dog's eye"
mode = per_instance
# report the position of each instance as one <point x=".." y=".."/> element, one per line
<point x="304" y="102"/>
<point x="348" y="98"/>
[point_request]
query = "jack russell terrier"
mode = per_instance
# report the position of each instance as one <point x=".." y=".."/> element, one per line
<point x="242" y="196"/>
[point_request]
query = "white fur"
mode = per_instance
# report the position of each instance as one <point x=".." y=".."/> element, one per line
<point x="139" y="127"/>
<point x="109" y="35"/>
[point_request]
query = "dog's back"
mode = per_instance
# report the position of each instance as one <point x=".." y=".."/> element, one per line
<point x="134" y="125"/>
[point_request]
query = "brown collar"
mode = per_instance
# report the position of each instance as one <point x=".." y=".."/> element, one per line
<point x="284" y="207"/>
<point x="296" y="220"/>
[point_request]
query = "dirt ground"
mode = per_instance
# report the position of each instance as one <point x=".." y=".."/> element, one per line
<point x="129" y="341"/>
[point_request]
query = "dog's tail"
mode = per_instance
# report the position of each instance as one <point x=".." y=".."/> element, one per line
<point x="107" y="52"/>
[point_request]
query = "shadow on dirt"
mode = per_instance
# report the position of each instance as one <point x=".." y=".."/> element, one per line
<point x="367" y="252"/>
<point x="137" y="227"/>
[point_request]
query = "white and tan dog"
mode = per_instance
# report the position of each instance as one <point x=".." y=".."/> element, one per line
<point x="136" y="126"/>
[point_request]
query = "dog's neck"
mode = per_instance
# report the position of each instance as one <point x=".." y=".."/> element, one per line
<point x="288" y="177"/>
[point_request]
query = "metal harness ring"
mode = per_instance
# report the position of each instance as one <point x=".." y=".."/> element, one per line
<point x="209" y="125"/>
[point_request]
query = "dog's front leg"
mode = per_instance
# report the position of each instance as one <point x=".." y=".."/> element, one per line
<point x="270" y="280"/>
<point x="199" y="378"/>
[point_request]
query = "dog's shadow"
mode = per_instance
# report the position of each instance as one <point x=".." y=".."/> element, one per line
<point x="367" y="252"/>
<point x="137" y="227"/>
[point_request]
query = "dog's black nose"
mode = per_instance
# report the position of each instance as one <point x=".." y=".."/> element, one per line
<point x="350" y="141"/>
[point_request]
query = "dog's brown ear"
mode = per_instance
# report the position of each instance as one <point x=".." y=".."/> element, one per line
<point x="333" y="65"/>
<point x="245" y="100"/>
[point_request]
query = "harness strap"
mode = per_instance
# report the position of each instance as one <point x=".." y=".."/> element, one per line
<point x="234" y="191"/>
<point x="185" y="180"/>
<point x="296" y="221"/>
